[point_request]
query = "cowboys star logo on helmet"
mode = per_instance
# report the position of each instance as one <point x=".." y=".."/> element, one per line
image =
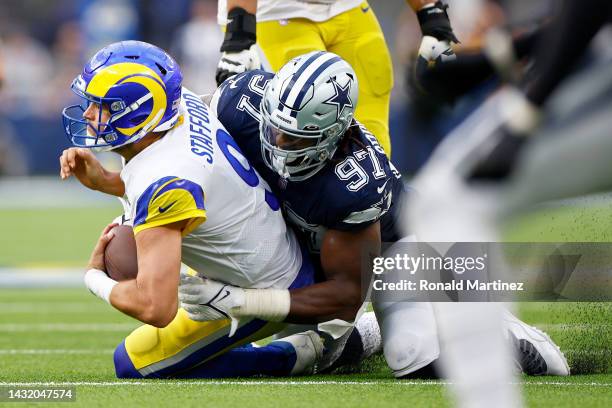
<point x="138" y="84"/>
<point x="306" y="109"/>
<point x="342" y="97"/>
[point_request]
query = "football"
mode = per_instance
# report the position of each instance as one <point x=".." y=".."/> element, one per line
<point x="120" y="254"/>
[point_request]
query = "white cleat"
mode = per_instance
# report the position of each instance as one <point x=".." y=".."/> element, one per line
<point x="368" y="328"/>
<point x="308" y="349"/>
<point x="536" y="353"/>
<point x="354" y="346"/>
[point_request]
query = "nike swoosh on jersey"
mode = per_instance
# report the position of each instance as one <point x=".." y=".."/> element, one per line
<point x="164" y="209"/>
<point x="380" y="189"/>
<point x="365" y="9"/>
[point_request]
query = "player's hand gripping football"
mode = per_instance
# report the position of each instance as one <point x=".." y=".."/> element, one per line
<point x="206" y="299"/>
<point x="96" y="260"/>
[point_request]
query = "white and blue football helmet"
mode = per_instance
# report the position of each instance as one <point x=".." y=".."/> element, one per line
<point x="311" y="102"/>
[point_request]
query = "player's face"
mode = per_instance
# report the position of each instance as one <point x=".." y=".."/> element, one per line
<point x="96" y="119"/>
<point x="287" y="142"/>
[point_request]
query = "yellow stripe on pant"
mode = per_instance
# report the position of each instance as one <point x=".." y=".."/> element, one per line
<point x="184" y="344"/>
<point x="356" y="36"/>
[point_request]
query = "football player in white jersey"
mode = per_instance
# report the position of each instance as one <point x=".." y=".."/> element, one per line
<point x="192" y="198"/>
<point x="286" y="29"/>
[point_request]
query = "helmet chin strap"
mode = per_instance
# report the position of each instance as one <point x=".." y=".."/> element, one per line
<point x="280" y="164"/>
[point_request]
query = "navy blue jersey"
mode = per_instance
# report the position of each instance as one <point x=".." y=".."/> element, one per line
<point x="357" y="188"/>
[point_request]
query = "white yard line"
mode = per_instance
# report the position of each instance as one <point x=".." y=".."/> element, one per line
<point x="109" y="351"/>
<point x="282" y="383"/>
<point x="106" y="327"/>
<point x="57" y="277"/>
<point x="67" y="327"/>
<point x="580" y="326"/>
<point x="7" y="308"/>
<point x="55" y="351"/>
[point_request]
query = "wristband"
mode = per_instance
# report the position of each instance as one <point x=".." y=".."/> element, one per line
<point x="240" y="32"/>
<point x="99" y="283"/>
<point x="267" y="304"/>
<point x="434" y="22"/>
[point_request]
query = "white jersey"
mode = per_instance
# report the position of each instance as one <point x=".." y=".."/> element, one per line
<point x="314" y="10"/>
<point x="236" y="233"/>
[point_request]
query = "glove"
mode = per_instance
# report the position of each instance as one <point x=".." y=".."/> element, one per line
<point x="206" y="299"/>
<point x="233" y="63"/>
<point x="238" y="52"/>
<point x="435" y="23"/>
<point x="432" y="52"/>
<point x="518" y="118"/>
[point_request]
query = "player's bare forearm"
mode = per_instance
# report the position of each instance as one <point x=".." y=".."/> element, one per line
<point x="248" y="5"/>
<point x="112" y="184"/>
<point x="82" y="164"/>
<point x="416" y="5"/>
<point x="128" y="298"/>
<point x="340" y="296"/>
<point x="325" y="301"/>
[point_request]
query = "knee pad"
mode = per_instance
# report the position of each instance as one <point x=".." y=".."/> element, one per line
<point x="372" y="64"/>
<point x="124" y="368"/>
<point x="407" y="352"/>
<point x="409" y="335"/>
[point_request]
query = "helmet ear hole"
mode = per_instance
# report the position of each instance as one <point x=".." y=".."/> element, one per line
<point x="161" y="69"/>
<point x="136" y="120"/>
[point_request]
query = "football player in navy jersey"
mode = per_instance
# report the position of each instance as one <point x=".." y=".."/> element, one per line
<point x="332" y="177"/>
<point x="337" y="188"/>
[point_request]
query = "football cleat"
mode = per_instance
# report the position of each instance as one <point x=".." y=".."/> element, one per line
<point x="308" y="349"/>
<point x="354" y="346"/>
<point x="535" y="352"/>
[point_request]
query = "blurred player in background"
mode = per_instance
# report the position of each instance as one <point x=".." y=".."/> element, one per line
<point x="1" y="68"/>
<point x="349" y="28"/>
<point x="515" y="150"/>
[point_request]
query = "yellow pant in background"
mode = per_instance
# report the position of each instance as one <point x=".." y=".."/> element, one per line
<point x="356" y="36"/>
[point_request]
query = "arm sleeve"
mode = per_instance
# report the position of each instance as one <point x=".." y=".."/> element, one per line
<point x="169" y="200"/>
<point x="355" y="212"/>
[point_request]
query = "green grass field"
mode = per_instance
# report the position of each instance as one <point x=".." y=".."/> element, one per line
<point x="66" y="336"/>
<point x="51" y="237"/>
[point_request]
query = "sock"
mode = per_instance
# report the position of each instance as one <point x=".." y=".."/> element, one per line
<point x="275" y="359"/>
